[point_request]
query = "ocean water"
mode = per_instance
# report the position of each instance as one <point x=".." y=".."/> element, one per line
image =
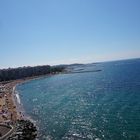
<point x="103" y="105"/>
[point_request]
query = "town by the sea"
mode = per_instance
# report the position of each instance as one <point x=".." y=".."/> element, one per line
<point x="98" y="101"/>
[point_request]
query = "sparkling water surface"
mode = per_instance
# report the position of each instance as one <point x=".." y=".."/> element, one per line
<point x="102" y="105"/>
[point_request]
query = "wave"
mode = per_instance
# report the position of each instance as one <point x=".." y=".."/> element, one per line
<point x="18" y="98"/>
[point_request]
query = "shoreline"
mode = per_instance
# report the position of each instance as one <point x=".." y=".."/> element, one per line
<point x="11" y="108"/>
<point x="19" y="106"/>
<point x="12" y="112"/>
<point x="17" y="101"/>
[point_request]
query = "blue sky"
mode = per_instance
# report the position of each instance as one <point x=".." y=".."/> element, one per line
<point x="36" y="32"/>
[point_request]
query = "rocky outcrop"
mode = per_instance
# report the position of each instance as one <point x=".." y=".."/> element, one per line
<point x="24" y="130"/>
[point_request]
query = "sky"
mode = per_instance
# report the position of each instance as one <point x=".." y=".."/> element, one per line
<point x="40" y="32"/>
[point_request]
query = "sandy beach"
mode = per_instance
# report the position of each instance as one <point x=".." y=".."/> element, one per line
<point x="9" y="112"/>
<point x="12" y="114"/>
<point x="11" y="108"/>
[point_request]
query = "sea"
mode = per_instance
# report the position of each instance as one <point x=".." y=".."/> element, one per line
<point x="98" y="101"/>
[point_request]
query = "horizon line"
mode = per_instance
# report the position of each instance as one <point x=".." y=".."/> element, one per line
<point x="121" y="59"/>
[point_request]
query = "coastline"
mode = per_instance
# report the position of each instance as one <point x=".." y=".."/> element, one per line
<point x="15" y="110"/>
<point x="9" y="106"/>
<point x="19" y="105"/>
<point x="10" y="103"/>
<point x="21" y="113"/>
<point x="12" y="113"/>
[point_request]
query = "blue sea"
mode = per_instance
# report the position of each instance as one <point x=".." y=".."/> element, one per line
<point x="89" y="105"/>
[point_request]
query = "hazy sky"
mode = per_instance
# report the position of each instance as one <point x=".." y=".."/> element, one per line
<point x="36" y="32"/>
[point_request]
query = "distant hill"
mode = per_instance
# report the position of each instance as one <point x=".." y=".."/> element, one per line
<point x="24" y="72"/>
